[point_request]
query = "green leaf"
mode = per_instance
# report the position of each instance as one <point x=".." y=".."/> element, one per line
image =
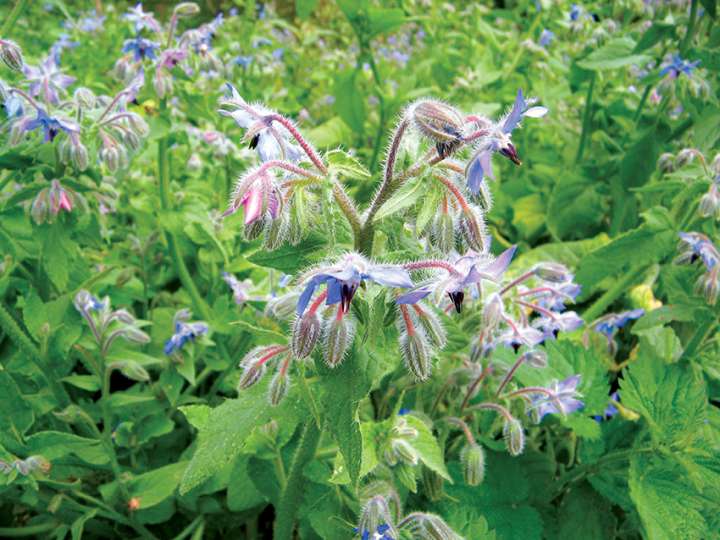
<point x="349" y="100"/>
<point x="403" y="198"/>
<point x="85" y="382"/>
<point x="343" y="388"/>
<point x="304" y="8"/>
<point x="669" y="509"/>
<point x="669" y="397"/>
<point x="346" y="165"/>
<point x="710" y="6"/>
<point x="575" y="208"/>
<point x="289" y="259"/>
<point x="241" y="492"/>
<point x="16" y="415"/>
<point x="660" y="342"/>
<point x="222" y="436"/>
<point x="427" y="447"/>
<point x="153" y="487"/>
<point x="384" y="21"/>
<point x="56" y="445"/>
<point x="78" y="526"/>
<point x="614" y="54"/>
<point x="657" y="32"/>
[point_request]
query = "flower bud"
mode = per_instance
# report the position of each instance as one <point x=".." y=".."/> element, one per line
<point x="440" y="123"/>
<point x="186" y="9"/>
<point x="432" y="484"/>
<point x="434" y="528"/>
<point x="254" y="364"/>
<point x="131" y="139"/>
<point x="404" y="430"/>
<point x="430" y="323"/>
<point x="493" y="312"/>
<point x="275" y="232"/>
<point x="710" y="202"/>
<point x="139" y="124"/>
<point x="715" y="165"/>
<point x="111" y="157"/>
<point x="134" y="371"/>
<point x="484" y="197"/>
<point x="666" y="162"/>
<point x="40" y="207"/>
<point x="443" y="232"/>
<point x="194" y="163"/>
<point x="135" y="335"/>
<point x="282" y="307"/>
<point x="79" y="156"/>
<point x="709" y="285"/>
<point x="84" y="97"/>
<point x="536" y="358"/>
<point x="472" y="458"/>
<point x="254" y="229"/>
<point x="11" y="54"/>
<point x="376" y="514"/>
<point x="278" y="387"/>
<point x="685" y="156"/>
<point x="472" y="227"/>
<point x="404" y="451"/>
<point x="305" y="333"/>
<point x="552" y="272"/>
<point x="250" y="375"/>
<point x="338" y="335"/>
<point x="416" y="353"/>
<point x="514" y="436"/>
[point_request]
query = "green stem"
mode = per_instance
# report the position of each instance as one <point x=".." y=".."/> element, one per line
<point x="699" y="337"/>
<point x="12" y="17"/>
<point x="587" y="118"/>
<point x="601" y="304"/>
<point x="292" y="495"/>
<point x="690" y="29"/>
<point x="25" y="344"/>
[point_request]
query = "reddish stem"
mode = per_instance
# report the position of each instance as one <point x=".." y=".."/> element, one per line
<point x="319" y="300"/>
<point x="454" y="190"/>
<point x="271" y="353"/>
<point x="287" y="124"/>
<point x="420" y="265"/>
<point x="408" y="321"/>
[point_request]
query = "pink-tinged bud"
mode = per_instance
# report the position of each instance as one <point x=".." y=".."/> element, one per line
<point x="552" y="272"/>
<point x="338" y="335"/>
<point x="11" y="54"/>
<point x="59" y="199"/>
<point x="278" y="387"/>
<point x="472" y="458"/>
<point x="536" y="358"/>
<point x="430" y="323"/>
<point x="254" y="364"/>
<point x="514" y="436"/>
<point x="416" y="353"/>
<point x="443" y="232"/>
<point x="251" y="374"/>
<point x="305" y="333"/>
<point x="440" y="123"/>
<point x="493" y="312"/>
<point x="472" y="227"/>
<point x="432" y="484"/>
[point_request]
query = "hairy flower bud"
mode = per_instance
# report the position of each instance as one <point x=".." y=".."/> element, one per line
<point x="514" y="436"/>
<point x="432" y="484"/>
<point x="376" y="514"/>
<point x="430" y="527"/>
<point x="416" y="353"/>
<point x="282" y="307"/>
<point x="685" y="156"/>
<point x="443" y="232"/>
<point x="84" y="97"/>
<point x="186" y="9"/>
<point x="11" y="54"/>
<point x="472" y="227"/>
<point x="254" y="229"/>
<point x="552" y="272"/>
<point x="132" y="370"/>
<point x="404" y="430"/>
<point x="254" y="364"/>
<point x="430" y="323"/>
<point x="666" y="162"/>
<point x="279" y="386"/>
<point x="404" y="451"/>
<point x="472" y="458"/>
<point x="536" y="358"/>
<point x="493" y="312"/>
<point x="305" y="333"/>
<point x="275" y="232"/>
<point x="440" y="123"/>
<point x="79" y="156"/>
<point x="710" y="202"/>
<point x="110" y="155"/>
<point x="338" y="335"/>
<point x="709" y="285"/>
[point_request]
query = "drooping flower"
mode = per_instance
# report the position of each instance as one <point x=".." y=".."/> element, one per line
<point x="562" y="398"/>
<point x="546" y="37"/>
<point x="51" y="126"/>
<point x="240" y="289"/>
<point x="559" y="322"/>
<point x="270" y="143"/>
<point x="454" y="278"/>
<point x="344" y="277"/>
<point x="517" y="336"/>
<point x="676" y="66"/>
<point x="184" y="332"/>
<point x="141" y="48"/>
<point x="696" y="246"/>
<point x="609" y="324"/>
<point x="498" y="139"/>
<point x="142" y="20"/>
<point x="47" y="81"/>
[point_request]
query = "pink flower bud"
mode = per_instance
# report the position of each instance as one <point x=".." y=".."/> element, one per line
<point x="305" y="333"/>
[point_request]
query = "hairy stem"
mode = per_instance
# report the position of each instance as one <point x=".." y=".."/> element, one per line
<point x="292" y="495"/>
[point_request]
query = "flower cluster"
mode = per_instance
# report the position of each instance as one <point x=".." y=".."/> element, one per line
<point x="106" y="324"/>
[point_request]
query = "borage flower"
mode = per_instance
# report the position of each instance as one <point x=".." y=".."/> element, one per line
<point x="142" y="20"/>
<point x="561" y="398"/>
<point x="47" y="81"/>
<point x="240" y="289"/>
<point x="609" y="324"/>
<point x="141" y="48"/>
<point x="184" y="332"/>
<point x="343" y="278"/>
<point x="51" y="126"/>
<point x="269" y="142"/>
<point x="676" y="66"/>
<point x="464" y="272"/>
<point x="498" y="139"/>
<point x="696" y="246"/>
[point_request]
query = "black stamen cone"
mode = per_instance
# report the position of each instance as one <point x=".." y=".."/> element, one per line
<point x="457" y="299"/>
<point x="254" y="142"/>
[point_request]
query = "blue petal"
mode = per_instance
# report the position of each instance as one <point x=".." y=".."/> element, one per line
<point x="308" y="292"/>
<point x="390" y="276"/>
<point x="334" y="290"/>
<point x="412" y="297"/>
<point x="516" y="113"/>
<point x="475" y="175"/>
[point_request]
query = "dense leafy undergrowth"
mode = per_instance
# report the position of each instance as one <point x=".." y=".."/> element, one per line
<point x="393" y="329"/>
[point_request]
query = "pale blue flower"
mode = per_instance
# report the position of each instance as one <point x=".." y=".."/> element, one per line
<point x="142" y="20"/>
<point x="184" y="332"/>
<point x="676" y="66"/>
<point x="563" y="398"/>
<point x="141" y="48"/>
